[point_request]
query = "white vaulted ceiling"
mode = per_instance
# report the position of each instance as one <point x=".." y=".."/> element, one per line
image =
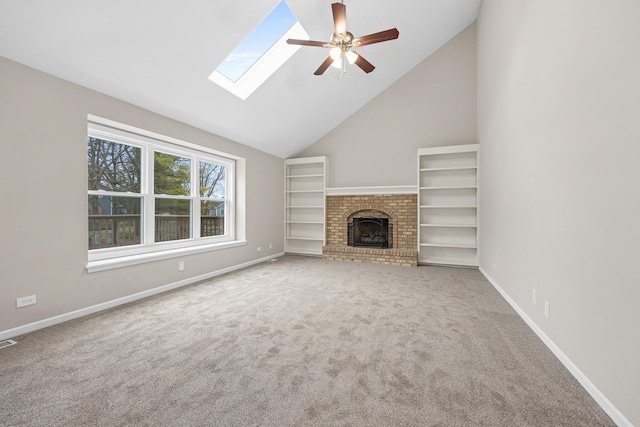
<point x="157" y="54"/>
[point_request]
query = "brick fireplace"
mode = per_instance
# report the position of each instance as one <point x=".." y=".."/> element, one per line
<point x="399" y="210"/>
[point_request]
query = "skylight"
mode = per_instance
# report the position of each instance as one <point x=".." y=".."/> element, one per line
<point x="261" y="53"/>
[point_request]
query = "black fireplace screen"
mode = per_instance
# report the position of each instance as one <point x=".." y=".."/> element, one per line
<point x="370" y="233"/>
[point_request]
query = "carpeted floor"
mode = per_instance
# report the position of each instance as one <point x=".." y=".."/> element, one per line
<point x="298" y="342"/>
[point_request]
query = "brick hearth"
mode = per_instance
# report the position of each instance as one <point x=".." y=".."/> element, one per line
<point x="401" y="209"/>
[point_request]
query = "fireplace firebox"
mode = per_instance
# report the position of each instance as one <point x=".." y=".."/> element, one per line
<point x="370" y="232"/>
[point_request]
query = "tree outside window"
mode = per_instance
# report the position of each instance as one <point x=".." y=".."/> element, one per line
<point x="167" y="200"/>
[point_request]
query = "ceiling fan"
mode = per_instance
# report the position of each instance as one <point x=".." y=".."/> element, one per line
<point x="342" y="41"/>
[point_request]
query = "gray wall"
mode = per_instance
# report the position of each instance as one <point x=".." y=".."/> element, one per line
<point x="43" y="200"/>
<point x="558" y="98"/>
<point x="434" y="104"/>
<point x="559" y="130"/>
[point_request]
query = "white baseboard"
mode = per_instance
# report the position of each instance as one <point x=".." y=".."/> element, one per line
<point x="20" y="330"/>
<point x="597" y="395"/>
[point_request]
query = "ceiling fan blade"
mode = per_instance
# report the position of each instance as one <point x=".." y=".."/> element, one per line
<point x="307" y="43"/>
<point x="382" y="36"/>
<point x="366" y="66"/>
<point x="322" y="68"/>
<point x="339" y="18"/>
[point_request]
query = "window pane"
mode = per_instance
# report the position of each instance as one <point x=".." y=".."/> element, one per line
<point x="212" y="218"/>
<point x="213" y="182"/>
<point x="171" y="175"/>
<point x="113" y="166"/>
<point x="173" y="219"/>
<point x="114" y="221"/>
<point x="258" y="42"/>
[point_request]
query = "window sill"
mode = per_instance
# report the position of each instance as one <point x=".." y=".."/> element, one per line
<point x="125" y="261"/>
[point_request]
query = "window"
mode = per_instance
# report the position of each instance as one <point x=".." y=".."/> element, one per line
<point x="115" y="197"/>
<point x="147" y="196"/>
<point x="261" y="53"/>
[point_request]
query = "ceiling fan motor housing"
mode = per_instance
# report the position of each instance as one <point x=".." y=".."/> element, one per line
<point x="343" y="41"/>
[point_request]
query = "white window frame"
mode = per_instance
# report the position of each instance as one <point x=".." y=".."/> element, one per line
<point x="148" y="249"/>
<point x="264" y="67"/>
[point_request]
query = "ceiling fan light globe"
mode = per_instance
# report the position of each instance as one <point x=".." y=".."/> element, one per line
<point x="351" y="56"/>
<point x="335" y="53"/>
<point x="337" y="63"/>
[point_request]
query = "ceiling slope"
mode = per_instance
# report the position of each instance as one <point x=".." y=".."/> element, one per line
<point x="158" y="54"/>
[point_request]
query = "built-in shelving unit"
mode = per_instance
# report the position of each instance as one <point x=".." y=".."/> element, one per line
<point x="448" y="205"/>
<point x="305" y="181"/>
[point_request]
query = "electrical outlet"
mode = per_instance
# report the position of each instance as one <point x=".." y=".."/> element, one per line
<point x="547" y="309"/>
<point x="24" y="301"/>
<point x="534" y="297"/>
<point x="259" y="248"/>
<point x="181" y="266"/>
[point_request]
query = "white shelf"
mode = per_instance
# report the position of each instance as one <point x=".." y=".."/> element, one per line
<point x="312" y="239"/>
<point x="459" y="168"/>
<point x="448" y="245"/>
<point x="304" y="252"/>
<point x="315" y="175"/>
<point x="448" y="261"/>
<point x="305" y="198"/>
<point x="450" y="225"/>
<point x="448" y="205"/>
<point x="463" y="187"/>
<point x="305" y="222"/>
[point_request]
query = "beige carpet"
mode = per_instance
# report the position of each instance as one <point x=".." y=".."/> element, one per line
<point x="298" y="342"/>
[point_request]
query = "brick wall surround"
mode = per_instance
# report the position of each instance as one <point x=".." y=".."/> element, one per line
<point x="402" y="211"/>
